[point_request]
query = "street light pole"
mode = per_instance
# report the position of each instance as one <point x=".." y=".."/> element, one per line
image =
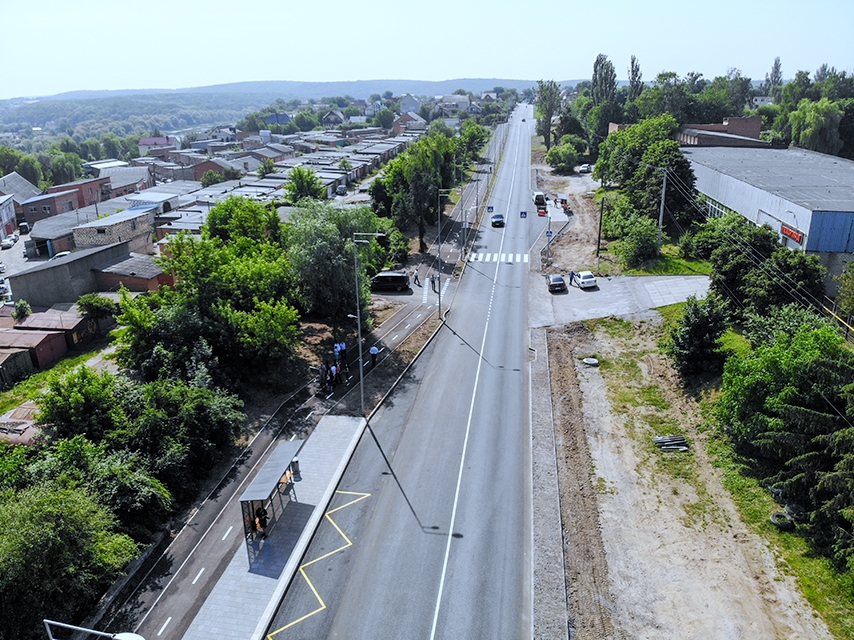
<point x="359" y="311"/>
<point x="439" y="194"/>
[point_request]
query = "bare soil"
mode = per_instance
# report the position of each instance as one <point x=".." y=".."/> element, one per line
<point x="653" y="544"/>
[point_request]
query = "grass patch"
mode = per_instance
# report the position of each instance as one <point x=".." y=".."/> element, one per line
<point x="670" y="263"/>
<point x="831" y="593"/>
<point x="735" y="343"/>
<point x="614" y="327"/>
<point x="30" y="388"/>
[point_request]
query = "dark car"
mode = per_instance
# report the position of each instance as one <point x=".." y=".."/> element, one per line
<point x="556" y="283"/>
<point x="390" y="281"/>
<point x="498" y="220"/>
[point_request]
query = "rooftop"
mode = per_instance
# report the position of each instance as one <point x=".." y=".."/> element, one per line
<point x="816" y="181"/>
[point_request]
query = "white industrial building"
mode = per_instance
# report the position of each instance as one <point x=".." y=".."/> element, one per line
<point x="806" y="197"/>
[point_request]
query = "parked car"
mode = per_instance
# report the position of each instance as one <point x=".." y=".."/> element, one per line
<point x="498" y="220"/>
<point x="556" y="282"/>
<point x="542" y="211"/>
<point x="61" y="254"/>
<point x="585" y="168"/>
<point x="586" y="279"/>
<point x="341" y="190"/>
<point x="2" y="268"/>
<point x="7" y="243"/>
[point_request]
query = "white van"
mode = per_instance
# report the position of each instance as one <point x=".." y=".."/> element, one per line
<point x="539" y="198"/>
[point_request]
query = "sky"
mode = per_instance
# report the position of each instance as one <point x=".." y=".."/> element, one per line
<point x="52" y="46"/>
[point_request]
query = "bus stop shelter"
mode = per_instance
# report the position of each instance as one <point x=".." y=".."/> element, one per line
<point x="269" y="492"/>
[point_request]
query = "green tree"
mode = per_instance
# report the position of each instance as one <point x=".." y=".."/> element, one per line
<point x="562" y="159"/>
<point x="604" y="81"/>
<point x="621" y="153"/>
<point x="267" y="166"/>
<point x="644" y="187"/>
<point x="786" y="276"/>
<point x="211" y="177"/>
<point x="28" y="167"/>
<point x="547" y="105"/>
<point x="746" y="246"/>
<point x="302" y="183"/>
<point x="815" y="126"/>
<point x="22" y="310"/>
<point x="97" y="308"/>
<point x="384" y="118"/>
<point x="635" y="80"/>
<point x="668" y="94"/>
<point x="845" y="295"/>
<point x="63" y="546"/>
<point x="639" y="244"/>
<point x="695" y="341"/>
<point x="306" y="120"/>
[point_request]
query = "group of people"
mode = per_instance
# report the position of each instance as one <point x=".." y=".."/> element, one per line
<point x="338" y="371"/>
<point x="434" y="279"/>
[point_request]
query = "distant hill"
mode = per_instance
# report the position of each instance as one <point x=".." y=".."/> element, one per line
<point x="288" y="90"/>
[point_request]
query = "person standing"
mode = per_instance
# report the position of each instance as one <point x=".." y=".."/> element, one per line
<point x="571" y="277"/>
<point x="433" y="281"/>
<point x="415" y="278"/>
<point x="261" y="521"/>
<point x="342" y="351"/>
<point x="374" y="351"/>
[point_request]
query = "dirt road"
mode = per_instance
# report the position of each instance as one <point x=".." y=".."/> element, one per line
<point x="653" y="546"/>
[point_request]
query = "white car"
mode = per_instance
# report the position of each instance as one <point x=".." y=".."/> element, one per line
<point x="7" y="243"/>
<point x="586" y="279"/>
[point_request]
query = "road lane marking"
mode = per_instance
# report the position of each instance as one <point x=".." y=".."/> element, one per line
<point x="198" y="575"/>
<point x="394" y="338"/>
<point x="227" y="532"/>
<point x="347" y="544"/>
<point x="163" y="628"/>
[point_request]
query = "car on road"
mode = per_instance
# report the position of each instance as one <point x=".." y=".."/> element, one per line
<point x="341" y="190"/>
<point x="2" y="268"/>
<point x="498" y="220"/>
<point x="585" y="168"/>
<point x="7" y="243"/>
<point x="556" y="282"/>
<point x="586" y="279"/>
<point x="61" y="254"/>
<point x="390" y="281"/>
<point x="542" y="211"/>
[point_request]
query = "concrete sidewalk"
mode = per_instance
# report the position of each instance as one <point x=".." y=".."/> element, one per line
<point x="246" y="597"/>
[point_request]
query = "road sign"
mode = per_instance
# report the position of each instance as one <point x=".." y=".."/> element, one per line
<point x="549" y="233"/>
<point x="489" y="209"/>
<point x="523" y="214"/>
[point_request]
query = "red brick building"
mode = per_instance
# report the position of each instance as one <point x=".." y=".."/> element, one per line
<point x="88" y="191"/>
<point x="49" y="204"/>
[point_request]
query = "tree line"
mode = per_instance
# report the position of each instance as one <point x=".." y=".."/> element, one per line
<point x="118" y="452"/>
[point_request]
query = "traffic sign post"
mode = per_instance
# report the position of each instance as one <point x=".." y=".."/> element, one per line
<point x="523" y="214"/>
<point x="489" y="209"/>
<point x="549" y="233"/>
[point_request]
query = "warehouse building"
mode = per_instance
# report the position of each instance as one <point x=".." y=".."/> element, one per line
<point x="806" y="197"/>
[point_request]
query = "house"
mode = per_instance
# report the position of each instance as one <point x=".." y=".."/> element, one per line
<point x="332" y="118"/>
<point x="225" y="134"/>
<point x="277" y="118"/>
<point x="135" y="272"/>
<point x="146" y="144"/>
<point x="806" y="197"/>
<point x="64" y="279"/>
<point x="7" y="216"/>
<point x="374" y="108"/>
<point x="49" y="204"/>
<point x="88" y="191"/>
<point x="408" y="121"/>
<point x="733" y="132"/>
<point x="488" y="96"/>
<point x="15" y="185"/>
<point x="45" y="347"/>
<point x="76" y="329"/>
<point x="409" y="102"/>
<point x="132" y="226"/>
<point x="95" y="167"/>
<point x="125" y="180"/>
<point x="15" y="365"/>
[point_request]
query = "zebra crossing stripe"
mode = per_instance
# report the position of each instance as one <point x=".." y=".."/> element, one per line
<point x="498" y="257"/>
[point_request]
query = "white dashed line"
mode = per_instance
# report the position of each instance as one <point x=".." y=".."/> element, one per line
<point x="227" y="532"/>
<point x="198" y="575"/>
<point x="163" y="628"/>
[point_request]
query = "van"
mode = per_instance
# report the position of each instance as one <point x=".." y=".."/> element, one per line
<point x="390" y="281"/>
<point x="539" y="198"/>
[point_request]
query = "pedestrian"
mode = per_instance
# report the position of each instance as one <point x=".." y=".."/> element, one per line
<point x="322" y="373"/>
<point x="415" y="278"/>
<point x="339" y="374"/>
<point x="571" y="277"/>
<point x="374" y="351"/>
<point x="342" y="351"/>
<point x="433" y="281"/>
<point x="261" y="521"/>
<point x="333" y="371"/>
<point x="335" y="352"/>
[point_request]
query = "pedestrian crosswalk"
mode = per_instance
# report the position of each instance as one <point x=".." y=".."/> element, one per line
<point x="498" y="257"/>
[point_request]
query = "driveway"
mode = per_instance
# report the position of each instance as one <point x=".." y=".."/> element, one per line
<point x="614" y="296"/>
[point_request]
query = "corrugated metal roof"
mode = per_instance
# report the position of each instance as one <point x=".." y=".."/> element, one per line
<point x="272" y="471"/>
<point x="815" y="181"/>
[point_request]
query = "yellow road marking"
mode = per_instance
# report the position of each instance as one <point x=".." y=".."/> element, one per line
<point x="302" y="569"/>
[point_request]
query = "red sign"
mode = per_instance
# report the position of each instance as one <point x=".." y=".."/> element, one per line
<point x="797" y="236"/>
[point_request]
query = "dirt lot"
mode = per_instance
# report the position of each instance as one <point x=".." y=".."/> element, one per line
<point x="653" y="545"/>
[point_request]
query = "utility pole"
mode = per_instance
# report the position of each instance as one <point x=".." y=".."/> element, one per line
<point x="661" y="209"/>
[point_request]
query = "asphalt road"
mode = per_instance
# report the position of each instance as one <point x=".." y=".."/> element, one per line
<point x="457" y="432"/>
